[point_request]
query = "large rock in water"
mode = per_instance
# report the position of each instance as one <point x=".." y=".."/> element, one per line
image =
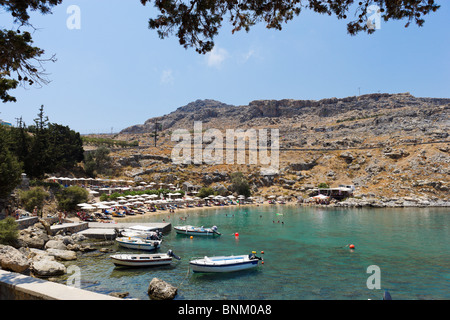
<point x="12" y="259"/>
<point x="161" y="290"/>
<point x="48" y="268"/>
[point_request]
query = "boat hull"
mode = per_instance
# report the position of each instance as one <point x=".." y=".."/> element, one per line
<point x="141" y="260"/>
<point x="139" y="244"/>
<point x="223" y="264"/>
<point x="196" y="232"/>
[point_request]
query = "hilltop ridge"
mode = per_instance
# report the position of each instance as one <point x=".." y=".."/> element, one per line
<point x="389" y="146"/>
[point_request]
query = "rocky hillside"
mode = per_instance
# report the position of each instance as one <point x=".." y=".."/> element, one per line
<point x="387" y="145"/>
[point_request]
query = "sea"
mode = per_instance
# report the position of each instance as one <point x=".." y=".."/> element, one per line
<point x="306" y="255"/>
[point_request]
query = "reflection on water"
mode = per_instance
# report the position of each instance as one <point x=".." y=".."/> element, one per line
<point x="305" y="255"/>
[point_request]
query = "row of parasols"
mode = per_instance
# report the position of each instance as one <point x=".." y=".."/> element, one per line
<point x="139" y="200"/>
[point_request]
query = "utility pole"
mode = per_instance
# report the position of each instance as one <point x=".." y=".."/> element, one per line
<point x="156" y="131"/>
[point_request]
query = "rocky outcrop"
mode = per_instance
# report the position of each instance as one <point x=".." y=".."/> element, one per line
<point x="207" y="110"/>
<point x="12" y="259"/>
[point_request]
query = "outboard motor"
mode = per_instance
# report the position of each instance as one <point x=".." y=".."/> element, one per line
<point x="171" y="254"/>
<point x="214" y="229"/>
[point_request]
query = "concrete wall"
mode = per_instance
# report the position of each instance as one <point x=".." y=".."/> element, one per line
<point x="15" y="286"/>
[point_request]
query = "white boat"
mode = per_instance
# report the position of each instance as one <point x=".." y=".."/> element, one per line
<point x="225" y="263"/>
<point x="143" y="260"/>
<point x="197" y="231"/>
<point x="139" y="232"/>
<point x="138" y="243"/>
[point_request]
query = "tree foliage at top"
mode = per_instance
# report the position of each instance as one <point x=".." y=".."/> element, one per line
<point x="196" y="22"/>
<point x="21" y="62"/>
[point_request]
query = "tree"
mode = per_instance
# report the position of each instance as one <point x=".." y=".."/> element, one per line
<point x="38" y="158"/>
<point x="20" y="62"/>
<point x="205" y="192"/>
<point x="10" y="167"/>
<point x="32" y="198"/>
<point x="197" y="22"/>
<point x="65" y="147"/>
<point x="98" y="162"/>
<point x="9" y="231"/>
<point x="69" y="197"/>
<point x="239" y="184"/>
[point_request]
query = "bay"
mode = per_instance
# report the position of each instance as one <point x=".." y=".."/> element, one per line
<point x="305" y="255"/>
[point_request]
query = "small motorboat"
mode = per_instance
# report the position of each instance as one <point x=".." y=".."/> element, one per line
<point x="138" y="243"/>
<point x="139" y="232"/>
<point x="225" y="263"/>
<point x="143" y="260"/>
<point x="197" y="231"/>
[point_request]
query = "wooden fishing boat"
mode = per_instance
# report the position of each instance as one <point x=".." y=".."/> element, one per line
<point x="143" y="260"/>
<point x="225" y="263"/>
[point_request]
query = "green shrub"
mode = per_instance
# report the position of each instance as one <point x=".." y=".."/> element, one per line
<point x="239" y="184"/>
<point x="69" y="197"/>
<point x="9" y="231"/>
<point x="323" y="185"/>
<point x="34" y="197"/>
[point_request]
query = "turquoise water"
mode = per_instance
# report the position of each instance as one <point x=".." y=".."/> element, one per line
<point x="304" y="255"/>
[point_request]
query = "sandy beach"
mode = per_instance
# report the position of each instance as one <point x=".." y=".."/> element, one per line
<point x="167" y="216"/>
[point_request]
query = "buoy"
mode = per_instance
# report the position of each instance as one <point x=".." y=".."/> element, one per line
<point x="262" y="252"/>
<point x="236" y="234"/>
<point x="262" y="262"/>
<point x="352" y="246"/>
<point x="192" y="237"/>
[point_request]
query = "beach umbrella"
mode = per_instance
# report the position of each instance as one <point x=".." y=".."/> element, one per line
<point x="102" y="206"/>
<point x="88" y="207"/>
<point x="231" y="197"/>
<point x="83" y="204"/>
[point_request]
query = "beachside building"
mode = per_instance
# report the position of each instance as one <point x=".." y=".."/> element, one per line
<point x="190" y="188"/>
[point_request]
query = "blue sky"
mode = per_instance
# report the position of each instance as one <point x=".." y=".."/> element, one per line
<point x="114" y="72"/>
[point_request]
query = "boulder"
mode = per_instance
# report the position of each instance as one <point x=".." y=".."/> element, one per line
<point x="48" y="268"/>
<point x="65" y="255"/>
<point x="12" y="259"/>
<point x="33" y="237"/>
<point x="161" y="290"/>
<point x="347" y="156"/>
<point x="55" y="244"/>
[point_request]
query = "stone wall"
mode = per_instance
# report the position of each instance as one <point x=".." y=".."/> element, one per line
<point x="15" y="286"/>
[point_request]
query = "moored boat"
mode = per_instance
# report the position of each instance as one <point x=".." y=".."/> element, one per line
<point x="138" y="231"/>
<point x="197" y="231"/>
<point x="138" y="243"/>
<point x="143" y="260"/>
<point x="225" y="263"/>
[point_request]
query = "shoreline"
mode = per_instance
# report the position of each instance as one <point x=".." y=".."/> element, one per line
<point x="177" y="212"/>
<point x="352" y="204"/>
